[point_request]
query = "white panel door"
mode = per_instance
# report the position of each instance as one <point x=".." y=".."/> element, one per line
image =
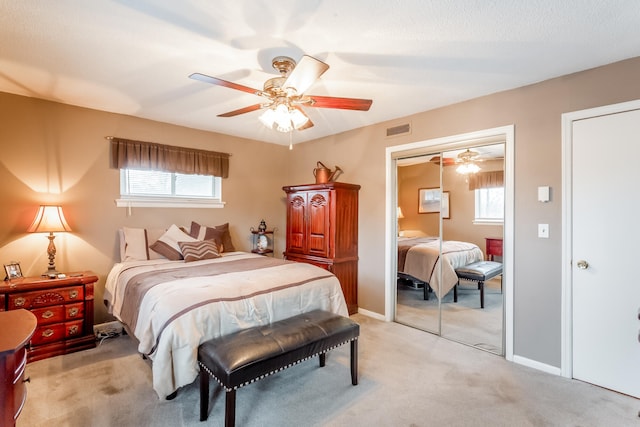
<point x="606" y="251"/>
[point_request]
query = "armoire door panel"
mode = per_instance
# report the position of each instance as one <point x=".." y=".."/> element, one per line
<point x="296" y="228"/>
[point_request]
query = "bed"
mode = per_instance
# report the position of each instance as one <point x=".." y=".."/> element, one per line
<point x="419" y="258"/>
<point x="172" y="306"/>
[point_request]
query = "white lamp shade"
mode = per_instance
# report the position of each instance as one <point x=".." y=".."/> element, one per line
<point x="49" y="219"/>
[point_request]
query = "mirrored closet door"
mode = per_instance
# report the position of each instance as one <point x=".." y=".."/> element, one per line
<point x="450" y="215"/>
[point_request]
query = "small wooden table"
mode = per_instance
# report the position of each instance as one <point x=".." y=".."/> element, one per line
<point x="493" y="247"/>
<point x="17" y="329"/>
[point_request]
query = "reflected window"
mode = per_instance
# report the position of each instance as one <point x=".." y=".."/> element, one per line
<point x="489" y="205"/>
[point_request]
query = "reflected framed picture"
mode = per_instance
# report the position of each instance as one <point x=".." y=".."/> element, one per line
<point x="430" y="200"/>
<point x="13" y="271"/>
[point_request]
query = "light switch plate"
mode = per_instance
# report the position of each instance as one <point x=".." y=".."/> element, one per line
<point x="543" y="231"/>
<point x="543" y="194"/>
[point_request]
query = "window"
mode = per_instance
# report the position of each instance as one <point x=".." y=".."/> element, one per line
<point x="151" y="188"/>
<point x="489" y="205"/>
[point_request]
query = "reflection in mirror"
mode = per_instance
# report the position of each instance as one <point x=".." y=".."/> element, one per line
<point x="466" y="221"/>
<point x="418" y="238"/>
<point x="476" y="186"/>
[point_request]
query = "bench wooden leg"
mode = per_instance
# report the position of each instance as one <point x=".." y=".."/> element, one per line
<point x="481" y="286"/>
<point x="204" y="395"/>
<point x="354" y="362"/>
<point x="323" y="359"/>
<point x="455" y="292"/>
<point x="230" y="409"/>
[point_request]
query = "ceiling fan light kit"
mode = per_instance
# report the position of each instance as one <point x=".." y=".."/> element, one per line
<point x="467" y="165"/>
<point x="285" y="94"/>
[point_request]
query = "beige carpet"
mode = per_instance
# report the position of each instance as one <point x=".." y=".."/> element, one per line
<point x="463" y="321"/>
<point x="407" y="378"/>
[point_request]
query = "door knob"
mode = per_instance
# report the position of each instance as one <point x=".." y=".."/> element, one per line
<point x="582" y="264"/>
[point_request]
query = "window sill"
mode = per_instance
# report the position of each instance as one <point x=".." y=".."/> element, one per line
<point x="168" y="202"/>
<point x="488" y="222"/>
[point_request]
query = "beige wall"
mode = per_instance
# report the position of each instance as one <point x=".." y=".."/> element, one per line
<point x="55" y="153"/>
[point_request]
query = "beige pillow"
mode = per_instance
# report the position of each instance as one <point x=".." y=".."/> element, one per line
<point x="196" y="251"/>
<point x="135" y="242"/>
<point x="202" y="232"/>
<point x="167" y="245"/>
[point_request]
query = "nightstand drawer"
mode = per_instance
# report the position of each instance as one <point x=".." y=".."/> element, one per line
<point x="48" y="333"/>
<point x="46" y="315"/>
<point x="74" y="311"/>
<point x="45" y="298"/>
<point x="57" y="332"/>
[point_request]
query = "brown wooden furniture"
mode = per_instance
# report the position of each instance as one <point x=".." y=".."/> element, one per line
<point x="322" y="229"/>
<point x="63" y="308"/>
<point x="17" y="328"/>
<point x="493" y="247"/>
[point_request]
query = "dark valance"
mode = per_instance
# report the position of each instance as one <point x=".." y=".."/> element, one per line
<point x="486" y="180"/>
<point x="131" y="154"/>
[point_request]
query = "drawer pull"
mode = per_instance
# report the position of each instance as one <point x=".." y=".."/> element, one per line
<point x="27" y="380"/>
<point x="47" y="314"/>
<point x="73" y="312"/>
<point x="19" y="302"/>
<point x="73" y="330"/>
<point x="47" y="333"/>
<point x="73" y="294"/>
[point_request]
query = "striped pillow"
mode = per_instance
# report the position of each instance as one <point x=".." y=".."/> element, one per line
<point x="196" y="251"/>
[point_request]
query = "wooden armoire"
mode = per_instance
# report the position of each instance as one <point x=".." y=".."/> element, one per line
<point x="322" y="229"/>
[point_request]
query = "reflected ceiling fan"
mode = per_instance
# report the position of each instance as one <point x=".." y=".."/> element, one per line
<point x="285" y="95"/>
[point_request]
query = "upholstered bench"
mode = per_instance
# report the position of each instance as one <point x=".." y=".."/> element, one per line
<point x="243" y="357"/>
<point x="479" y="271"/>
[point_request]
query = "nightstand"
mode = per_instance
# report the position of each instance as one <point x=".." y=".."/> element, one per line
<point x="493" y="247"/>
<point x="263" y="241"/>
<point x="63" y="308"/>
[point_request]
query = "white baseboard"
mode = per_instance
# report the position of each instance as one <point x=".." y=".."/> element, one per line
<point x="372" y="314"/>
<point x="537" y="365"/>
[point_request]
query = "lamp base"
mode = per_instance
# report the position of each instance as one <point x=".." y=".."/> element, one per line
<point x="51" y="273"/>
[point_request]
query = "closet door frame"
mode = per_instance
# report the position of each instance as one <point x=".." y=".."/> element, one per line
<point x="500" y="134"/>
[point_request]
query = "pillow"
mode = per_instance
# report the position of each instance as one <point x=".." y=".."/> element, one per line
<point x="201" y="232"/>
<point x="135" y="242"/>
<point x="195" y="251"/>
<point x="413" y="233"/>
<point x="167" y="244"/>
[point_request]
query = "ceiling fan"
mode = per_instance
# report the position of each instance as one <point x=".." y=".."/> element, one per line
<point x="285" y="95"/>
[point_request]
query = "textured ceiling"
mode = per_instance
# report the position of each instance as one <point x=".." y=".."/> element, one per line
<point x="408" y="56"/>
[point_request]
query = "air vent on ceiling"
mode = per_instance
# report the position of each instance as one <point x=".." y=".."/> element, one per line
<point x="399" y="130"/>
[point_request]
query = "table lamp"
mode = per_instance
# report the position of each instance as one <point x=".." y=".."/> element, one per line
<point x="50" y="219"/>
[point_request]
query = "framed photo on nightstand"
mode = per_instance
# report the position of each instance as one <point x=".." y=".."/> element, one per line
<point x="12" y="270"/>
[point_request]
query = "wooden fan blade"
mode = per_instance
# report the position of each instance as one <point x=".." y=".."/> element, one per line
<point x="220" y="82"/>
<point x="342" y="103"/>
<point x="308" y="124"/>
<point x="248" y="109"/>
<point x="308" y="70"/>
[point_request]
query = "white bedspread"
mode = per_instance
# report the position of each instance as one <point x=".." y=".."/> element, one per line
<point x="423" y="261"/>
<point x="173" y="318"/>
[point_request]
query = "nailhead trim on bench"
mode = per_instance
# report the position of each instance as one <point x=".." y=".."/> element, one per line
<point x="272" y="372"/>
